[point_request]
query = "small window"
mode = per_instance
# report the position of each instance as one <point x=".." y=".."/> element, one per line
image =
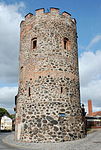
<point x="61" y="89"/>
<point x="21" y="67"/>
<point x="34" y="43"/>
<point x="67" y="44"/>
<point x="21" y="73"/>
<point x="15" y="99"/>
<point x="29" y="91"/>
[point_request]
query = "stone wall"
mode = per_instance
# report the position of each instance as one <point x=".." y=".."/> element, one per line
<point x="48" y="101"/>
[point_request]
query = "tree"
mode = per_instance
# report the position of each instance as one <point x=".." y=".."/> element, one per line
<point x="3" y="112"/>
<point x="12" y="116"/>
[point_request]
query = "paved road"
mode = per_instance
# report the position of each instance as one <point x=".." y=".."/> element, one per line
<point x="91" y="142"/>
<point x="4" y="146"/>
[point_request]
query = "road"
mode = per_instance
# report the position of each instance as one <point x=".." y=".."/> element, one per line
<point x="4" y="146"/>
<point x="91" y="142"/>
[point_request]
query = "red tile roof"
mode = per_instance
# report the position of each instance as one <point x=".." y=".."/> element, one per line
<point x="97" y="113"/>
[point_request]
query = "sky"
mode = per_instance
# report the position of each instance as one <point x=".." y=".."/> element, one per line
<point x="88" y="16"/>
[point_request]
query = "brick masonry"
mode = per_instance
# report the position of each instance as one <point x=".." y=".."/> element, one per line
<point x="48" y="100"/>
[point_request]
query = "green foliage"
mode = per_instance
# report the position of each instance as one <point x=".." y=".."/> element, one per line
<point x="12" y="116"/>
<point x="3" y="112"/>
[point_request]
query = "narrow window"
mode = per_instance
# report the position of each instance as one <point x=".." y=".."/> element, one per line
<point x="15" y="99"/>
<point x="34" y="43"/>
<point x="21" y="73"/>
<point x="67" y="44"/>
<point x="61" y="89"/>
<point x="29" y="91"/>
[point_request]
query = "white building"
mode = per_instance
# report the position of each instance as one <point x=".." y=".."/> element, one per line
<point x="6" y="123"/>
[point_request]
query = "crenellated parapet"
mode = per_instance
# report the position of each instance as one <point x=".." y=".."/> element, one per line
<point x="53" y="12"/>
<point x="66" y="14"/>
<point x="40" y="11"/>
<point x="29" y="15"/>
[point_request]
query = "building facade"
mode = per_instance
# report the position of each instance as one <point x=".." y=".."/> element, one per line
<point x="5" y="123"/>
<point x="48" y="101"/>
<point x="93" y="118"/>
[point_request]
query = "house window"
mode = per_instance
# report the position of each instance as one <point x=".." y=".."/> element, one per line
<point x="67" y="44"/>
<point x="34" y="43"/>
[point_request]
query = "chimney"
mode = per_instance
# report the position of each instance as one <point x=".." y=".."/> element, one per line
<point x="89" y="107"/>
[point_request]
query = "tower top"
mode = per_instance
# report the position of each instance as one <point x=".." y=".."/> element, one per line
<point x="53" y="11"/>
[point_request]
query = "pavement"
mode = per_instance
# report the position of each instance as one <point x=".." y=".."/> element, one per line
<point x="4" y="146"/>
<point x="91" y="142"/>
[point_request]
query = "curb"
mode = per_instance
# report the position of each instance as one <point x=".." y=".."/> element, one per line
<point x="70" y="145"/>
<point x="44" y="146"/>
<point x="5" y="141"/>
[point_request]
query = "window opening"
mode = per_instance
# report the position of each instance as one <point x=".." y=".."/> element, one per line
<point x="67" y="44"/>
<point x="61" y="89"/>
<point x="21" y="74"/>
<point x="34" y="43"/>
<point x="29" y="91"/>
<point x="21" y="67"/>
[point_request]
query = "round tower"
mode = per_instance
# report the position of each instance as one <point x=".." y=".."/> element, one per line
<point x="48" y="101"/>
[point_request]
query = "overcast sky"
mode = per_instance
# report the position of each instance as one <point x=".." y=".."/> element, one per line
<point x="88" y="16"/>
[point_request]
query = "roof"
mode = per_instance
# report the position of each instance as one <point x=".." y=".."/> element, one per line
<point x="97" y="113"/>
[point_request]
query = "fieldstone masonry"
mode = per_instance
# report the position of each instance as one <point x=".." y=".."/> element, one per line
<point x="48" y="100"/>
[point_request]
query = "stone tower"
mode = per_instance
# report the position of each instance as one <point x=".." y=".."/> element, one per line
<point x="48" y="100"/>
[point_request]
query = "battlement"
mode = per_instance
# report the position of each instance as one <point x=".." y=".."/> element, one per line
<point x="74" y="20"/>
<point x="29" y="15"/>
<point x="66" y="14"/>
<point x="22" y="22"/>
<point x="40" y="11"/>
<point x="53" y="11"/>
